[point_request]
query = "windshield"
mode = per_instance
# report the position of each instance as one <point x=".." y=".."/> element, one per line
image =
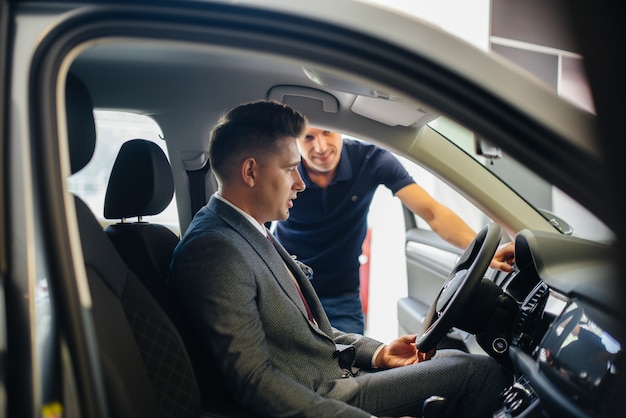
<point x="564" y="213"/>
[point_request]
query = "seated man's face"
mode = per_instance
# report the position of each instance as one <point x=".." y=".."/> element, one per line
<point x="320" y="149"/>
<point x="277" y="183"/>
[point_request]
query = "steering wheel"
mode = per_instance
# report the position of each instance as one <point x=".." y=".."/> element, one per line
<point x="457" y="290"/>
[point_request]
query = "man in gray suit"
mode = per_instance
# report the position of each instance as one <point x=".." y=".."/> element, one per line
<point x="258" y="315"/>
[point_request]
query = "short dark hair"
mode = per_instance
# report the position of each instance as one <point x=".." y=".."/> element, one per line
<point x="251" y="130"/>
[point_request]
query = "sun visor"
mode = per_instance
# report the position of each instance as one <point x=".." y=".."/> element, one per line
<point x="315" y="97"/>
<point x="390" y="112"/>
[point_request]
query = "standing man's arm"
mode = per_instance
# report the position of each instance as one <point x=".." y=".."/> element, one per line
<point x="447" y="224"/>
<point x="441" y="219"/>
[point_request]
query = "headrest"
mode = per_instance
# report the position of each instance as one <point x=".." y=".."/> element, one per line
<point x="81" y="126"/>
<point x="141" y="182"/>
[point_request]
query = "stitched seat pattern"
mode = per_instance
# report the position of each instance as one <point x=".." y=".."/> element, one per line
<point x="167" y="365"/>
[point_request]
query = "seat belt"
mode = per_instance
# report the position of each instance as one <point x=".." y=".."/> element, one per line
<point x="197" y="188"/>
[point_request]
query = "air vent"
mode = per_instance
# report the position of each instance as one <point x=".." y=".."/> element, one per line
<point x="529" y="314"/>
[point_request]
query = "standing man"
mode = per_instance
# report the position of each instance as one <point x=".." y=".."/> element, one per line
<point x="328" y="224"/>
<point x="258" y="316"/>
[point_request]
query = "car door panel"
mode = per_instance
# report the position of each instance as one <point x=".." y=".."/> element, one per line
<point x="429" y="261"/>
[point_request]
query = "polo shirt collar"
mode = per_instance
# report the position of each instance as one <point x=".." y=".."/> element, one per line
<point x="344" y="170"/>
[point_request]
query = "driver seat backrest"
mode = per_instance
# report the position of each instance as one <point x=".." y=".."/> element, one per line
<point x="185" y="379"/>
<point x="146" y="367"/>
<point x="141" y="184"/>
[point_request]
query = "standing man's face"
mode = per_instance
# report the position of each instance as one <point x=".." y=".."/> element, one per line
<point x="279" y="183"/>
<point x="320" y="150"/>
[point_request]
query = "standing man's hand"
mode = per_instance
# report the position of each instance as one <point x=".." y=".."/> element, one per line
<point x="401" y="352"/>
<point x="504" y="258"/>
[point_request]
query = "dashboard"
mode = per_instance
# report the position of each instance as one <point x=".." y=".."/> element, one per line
<point x="566" y="346"/>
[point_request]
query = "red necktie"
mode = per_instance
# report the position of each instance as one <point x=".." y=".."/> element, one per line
<point x="306" y="305"/>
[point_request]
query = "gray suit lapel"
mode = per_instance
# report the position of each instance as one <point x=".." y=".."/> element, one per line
<point x="305" y="286"/>
<point x="275" y="257"/>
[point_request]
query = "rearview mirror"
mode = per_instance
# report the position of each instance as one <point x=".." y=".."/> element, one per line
<point x="486" y="149"/>
<point x="557" y="222"/>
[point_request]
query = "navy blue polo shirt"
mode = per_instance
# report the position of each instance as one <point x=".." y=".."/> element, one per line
<point x="326" y="226"/>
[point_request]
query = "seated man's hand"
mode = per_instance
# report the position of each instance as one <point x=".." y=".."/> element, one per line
<point x="401" y="352"/>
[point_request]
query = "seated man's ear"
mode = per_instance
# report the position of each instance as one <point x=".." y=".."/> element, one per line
<point x="249" y="171"/>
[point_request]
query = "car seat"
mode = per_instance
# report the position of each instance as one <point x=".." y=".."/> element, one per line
<point x="146" y="361"/>
<point x="146" y="368"/>
<point x="141" y="184"/>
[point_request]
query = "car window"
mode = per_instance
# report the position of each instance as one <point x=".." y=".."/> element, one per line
<point x="565" y="213"/>
<point x="113" y="129"/>
<point x="446" y="195"/>
<point x="551" y="54"/>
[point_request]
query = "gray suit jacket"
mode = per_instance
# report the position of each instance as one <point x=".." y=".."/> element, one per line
<point x="241" y="299"/>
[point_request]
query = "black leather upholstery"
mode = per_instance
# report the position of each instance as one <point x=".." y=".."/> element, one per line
<point x="80" y="123"/>
<point x="141" y="181"/>
<point x="153" y="362"/>
<point x="141" y="184"/>
<point x="147" y="369"/>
